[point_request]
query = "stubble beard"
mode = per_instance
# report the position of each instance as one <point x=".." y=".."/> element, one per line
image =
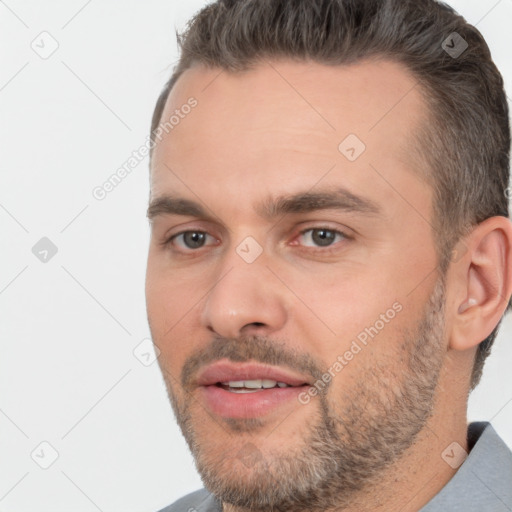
<point x="348" y="443"/>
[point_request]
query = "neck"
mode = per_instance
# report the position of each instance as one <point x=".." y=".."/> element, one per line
<point x="420" y="474"/>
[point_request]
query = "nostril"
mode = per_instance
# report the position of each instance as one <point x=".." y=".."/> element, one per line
<point x="254" y="328"/>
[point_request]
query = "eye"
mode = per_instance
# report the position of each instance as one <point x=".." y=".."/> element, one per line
<point x="190" y="239"/>
<point x="321" y="237"/>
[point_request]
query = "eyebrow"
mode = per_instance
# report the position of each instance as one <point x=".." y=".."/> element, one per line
<point x="272" y="208"/>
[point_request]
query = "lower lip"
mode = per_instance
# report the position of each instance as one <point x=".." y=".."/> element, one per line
<point x="247" y="405"/>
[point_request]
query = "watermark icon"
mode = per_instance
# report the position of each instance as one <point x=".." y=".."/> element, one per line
<point x="454" y="45"/>
<point x="454" y="455"/>
<point x="44" y="455"/>
<point x="249" y="249"/>
<point x="249" y="455"/>
<point x="44" y="250"/>
<point x="100" y="192"/>
<point x="352" y="147"/>
<point x="458" y="251"/>
<point x="356" y="346"/>
<point x="146" y="352"/>
<point x="45" y="45"/>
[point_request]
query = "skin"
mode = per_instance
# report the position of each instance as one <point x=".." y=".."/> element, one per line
<point x="272" y="131"/>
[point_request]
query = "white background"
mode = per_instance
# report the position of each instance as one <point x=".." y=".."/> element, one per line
<point x="68" y="327"/>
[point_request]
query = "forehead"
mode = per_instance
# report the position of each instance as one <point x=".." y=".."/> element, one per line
<point x="290" y="122"/>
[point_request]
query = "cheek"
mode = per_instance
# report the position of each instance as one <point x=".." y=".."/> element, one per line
<point x="345" y="301"/>
<point x="158" y="299"/>
<point x="165" y="306"/>
<point x="168" y="295"/>
<point x="173" y="302"/>
<point x="352" y="318"/>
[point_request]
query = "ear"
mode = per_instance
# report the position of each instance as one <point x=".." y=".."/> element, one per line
<point x="482" y="281"/>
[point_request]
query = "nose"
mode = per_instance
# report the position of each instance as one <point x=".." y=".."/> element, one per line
<point x="245" y="299"/>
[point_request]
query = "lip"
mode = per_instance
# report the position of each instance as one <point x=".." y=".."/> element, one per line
<point x="247" y="405"/>
<point x="224" y="371"/>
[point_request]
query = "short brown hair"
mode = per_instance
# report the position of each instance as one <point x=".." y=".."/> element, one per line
<point x="466" y="142"/>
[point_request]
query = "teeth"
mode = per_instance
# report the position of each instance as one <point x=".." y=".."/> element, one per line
<point x="254" y="384"/>
<point x="244" y="390"/>
<point x="235" y="384"/>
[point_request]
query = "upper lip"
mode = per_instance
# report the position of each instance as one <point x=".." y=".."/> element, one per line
<point x="225" y="371"/>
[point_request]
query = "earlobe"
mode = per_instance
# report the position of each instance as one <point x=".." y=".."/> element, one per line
<point x="484" y="283"/>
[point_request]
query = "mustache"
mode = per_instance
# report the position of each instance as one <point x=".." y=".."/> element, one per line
<point x="249" y="348"/>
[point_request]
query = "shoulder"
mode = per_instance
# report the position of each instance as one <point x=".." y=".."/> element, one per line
<point x="484" y="480"/>
<point x="199" y="501"/>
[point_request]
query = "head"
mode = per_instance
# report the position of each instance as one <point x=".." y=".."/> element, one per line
<point x="332" y="209"/>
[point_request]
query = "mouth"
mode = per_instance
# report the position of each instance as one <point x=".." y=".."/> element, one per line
<point x="248" y="390"/>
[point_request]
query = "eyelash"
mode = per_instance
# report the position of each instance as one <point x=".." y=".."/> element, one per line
<point x="326" y="249"/>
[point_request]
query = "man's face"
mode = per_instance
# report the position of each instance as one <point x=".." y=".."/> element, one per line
<point x="307" y="262"/>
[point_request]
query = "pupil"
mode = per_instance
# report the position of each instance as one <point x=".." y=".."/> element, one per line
<point x="323" y="237"/>
<point x="194" y="239"/>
